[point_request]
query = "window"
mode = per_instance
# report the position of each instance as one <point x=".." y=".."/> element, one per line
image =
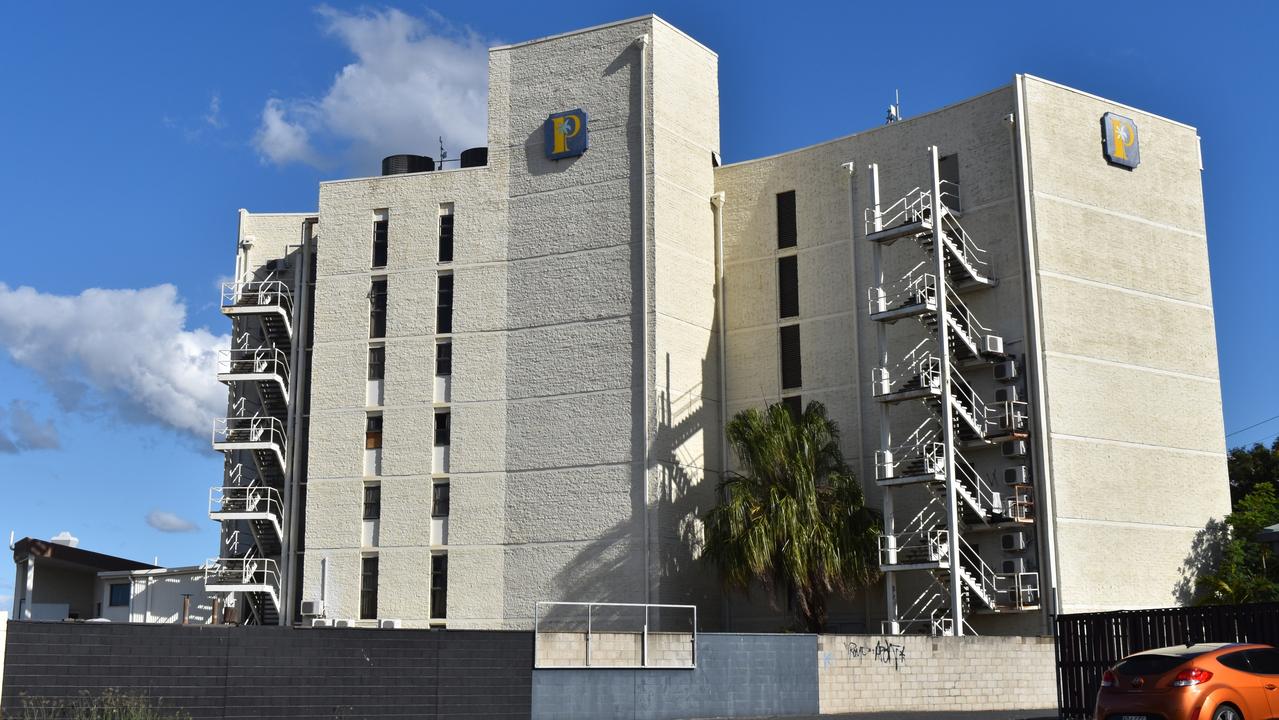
<point x="1236" y="661"/>
<point x="368" y="588"/>
<point x="440" y="500"/>
<point x="120" y="595"/>
<point x="441" y="428"/>
<point x="372" y="502"/>
<point x="1264" y="662"/>
<point x="948" y="172"/>
<point x="379" y="243"/>
<point x="373" y="433"/>
<point x="795" y="404"/>
<point x="786" y="233"/>
<point x="377" y="309"/>
<point x="377" y="363"/>
<point x="444" y="308"/>
<point x="439" y="586"/>
<point x="792" y="376"/>
<point x="444" y="359"/>
<point x="788" y="286"/>
<point x="446" y="232"/>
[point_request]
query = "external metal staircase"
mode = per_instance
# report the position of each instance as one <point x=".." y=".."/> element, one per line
<point x="961" y="500"/>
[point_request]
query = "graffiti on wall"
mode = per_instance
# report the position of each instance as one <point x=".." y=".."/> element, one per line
<point x="883" y="651"/>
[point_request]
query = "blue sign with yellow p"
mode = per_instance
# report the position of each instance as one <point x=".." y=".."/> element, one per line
<point x="1122" y="146"/>
<point x="566" y="134"/>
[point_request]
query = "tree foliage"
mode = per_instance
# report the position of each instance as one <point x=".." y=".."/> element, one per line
<point x="1248" y="570"/>
<point x="794" y="518"/>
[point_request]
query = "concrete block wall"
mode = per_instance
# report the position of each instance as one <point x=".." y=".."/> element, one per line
<point x="870" y="673"/>
<point x="614" y="649"/>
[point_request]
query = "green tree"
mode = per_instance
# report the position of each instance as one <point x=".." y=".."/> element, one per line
<point x="1248" y="571"/>
<point x="1251" y="466"/>
<point x="794" y="518"/>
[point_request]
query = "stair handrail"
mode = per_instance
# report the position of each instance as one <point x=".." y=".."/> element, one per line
<point x="919" y="361"/>
<point x="250" y="429"/>
<point x="934" y="541"/>
<point x="977" y="407"/>
<point x="914" y="205"/>
<point x="960" y="309"/>
<point x="986" y="577"/>
<point x="262" y="293"/>
<point x="966" y="249"/>
<point x="895" y="455"/>
<point x="245" y="499"/>
<point x="264" y="359"/>
<point x="913" y="284"/>
<point x="987" y="496"/>
<point x="950" y="189"/>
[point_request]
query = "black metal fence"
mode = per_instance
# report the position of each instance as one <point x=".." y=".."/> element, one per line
<point x="1089" y="643"/>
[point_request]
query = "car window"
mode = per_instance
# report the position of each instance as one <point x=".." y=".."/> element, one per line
<point x="1236" y="661"/>
<point x="1264" y="662"/>
<point x="1150" y="664"/>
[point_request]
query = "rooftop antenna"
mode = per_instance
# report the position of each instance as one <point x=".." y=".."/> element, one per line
<point x="894" y="110"/>
<point x="443" y="153"/>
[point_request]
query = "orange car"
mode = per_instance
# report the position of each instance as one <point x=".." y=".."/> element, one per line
<point x="1209" y="681"/>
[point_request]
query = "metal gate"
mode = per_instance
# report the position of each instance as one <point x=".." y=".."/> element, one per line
<point x="1089" y="643"/>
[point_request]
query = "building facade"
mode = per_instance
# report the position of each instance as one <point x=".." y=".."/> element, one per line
<point x="458" y="391"/>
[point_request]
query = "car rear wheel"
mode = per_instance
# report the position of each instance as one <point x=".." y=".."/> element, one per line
<point x="1227" y="712"/>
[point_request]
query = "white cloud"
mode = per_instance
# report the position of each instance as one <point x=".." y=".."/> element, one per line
<point x="20" y="430"/>
<point x="214" y="116"/>
<point x="123" y="353"/>
<point x="413" y="81"/>
<point x="165" y="521"/>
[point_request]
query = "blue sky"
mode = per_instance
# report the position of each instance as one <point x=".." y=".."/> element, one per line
<point x="130" y="134"/>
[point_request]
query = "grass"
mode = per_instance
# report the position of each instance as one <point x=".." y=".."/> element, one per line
<point x="109" y="705"/>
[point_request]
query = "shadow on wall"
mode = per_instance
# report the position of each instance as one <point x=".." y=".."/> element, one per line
<point x="1204" y="557"/>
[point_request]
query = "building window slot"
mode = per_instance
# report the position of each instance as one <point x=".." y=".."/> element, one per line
<point x="440" y="457"/>
<point x="439" y="586"/>
<point x="446" y="232"/>
<point x="379" y="239"/>
<point x="792" y="375"/>
<point x="377" y="309"/>
<point x="788" y="286"/>
<point x="440" y="514"/>
<point x="373" y="445"/>
<point x="444" y="307"/>
<point x="443" y="371"/>
<point x="787" y="234"/>
<point x="119" y="595"/>
<point x="372" y="502"/>
<point x="377" y="374"/>
<point x="368" y="588"/>
<point x="795" y="405"/>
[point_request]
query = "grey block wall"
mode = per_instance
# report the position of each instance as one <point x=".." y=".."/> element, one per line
<point x="275" y="672"/>
<point x="736" y="676"/>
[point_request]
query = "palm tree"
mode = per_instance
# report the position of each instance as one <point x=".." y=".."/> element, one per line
<point x="795" y="516"/>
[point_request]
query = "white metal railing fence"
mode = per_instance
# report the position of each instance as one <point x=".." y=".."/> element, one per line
<point x="250" y="573"/>
<point x="614" y="635"/>
<point x="972" y="329"/>
<point x="982" y="575"/>
<point x="258" y="293"/>
<point x="918" y="365"/>
<point x="247" y="500"/>
<point x="256" y="429"/>
<point x="914" y="206"/>
<point x="930" y="545"/>
<point x="268" y="360"/>
<point x="913" y="288"/>
<point x="965" y="249"/>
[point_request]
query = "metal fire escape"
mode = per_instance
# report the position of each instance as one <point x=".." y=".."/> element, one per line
<point x="960" y="426"/>
<point x="254" y="440"/>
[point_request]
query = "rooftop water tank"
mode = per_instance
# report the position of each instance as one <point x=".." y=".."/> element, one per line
<point x="475" y="157"/>
<point x="400" y="164"/>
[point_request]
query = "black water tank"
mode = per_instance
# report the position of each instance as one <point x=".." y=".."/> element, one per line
<point x="475" y="157"/>
<point x="400" y="164"/>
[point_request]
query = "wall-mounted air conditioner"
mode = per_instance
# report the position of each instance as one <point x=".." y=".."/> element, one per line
<point x="1014" y="448"/>
<point x="1007" y="394"/>
<point x="994" y="345"/>
<point x="344" y="623"/>
<point x="312" y="608"/>
<point x="1017" y="475"/>
<point x="1013" y="541"/>
<point x="1014" y="566"/>
<point x="389" y="623"/>
<point x="1006" y="371"/>
<point x="321" y="622"/>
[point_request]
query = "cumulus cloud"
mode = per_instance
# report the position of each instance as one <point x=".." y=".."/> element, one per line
<point x="413" y="81"/>
<point x="20" y="430"/>
<point x="168" y="522"/>
<point x="124" y="353"/>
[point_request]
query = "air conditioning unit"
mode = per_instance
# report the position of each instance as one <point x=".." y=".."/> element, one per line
<point x="389" y="623"/>
<point x="312" y="608"/>
<point x="321" y="622"/>
<point x="1006" y="371"/>
<point x="1007" y="394"/>
<point x="344" y="623"/>
<point x="1016" y="475"/>
<point x="1014" y="566"/>
<point x="1014" y="448"/>
<point x="994" y="345"/>
<point x="1013" y="541"/>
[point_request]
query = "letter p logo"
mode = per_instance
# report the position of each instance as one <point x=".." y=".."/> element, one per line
<point x="1122" y="147"/>
<point x="566" y="134"/>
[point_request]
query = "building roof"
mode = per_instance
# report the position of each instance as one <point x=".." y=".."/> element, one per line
<point x="86" y="559"/>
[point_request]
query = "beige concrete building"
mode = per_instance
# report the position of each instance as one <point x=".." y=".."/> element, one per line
<point x="461" y="390"/>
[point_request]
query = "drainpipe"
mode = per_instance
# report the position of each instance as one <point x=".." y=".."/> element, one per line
<point x="297" y="371"/>
<point x="1043" y="485"/>
<point x="641" y="45"/>
<point x="717" y="205"/>
<point x="31" y="587"/>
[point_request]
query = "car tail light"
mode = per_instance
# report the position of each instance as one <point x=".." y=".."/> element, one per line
<point x="1108" y="679"/>
<point x="1193" y="676"/>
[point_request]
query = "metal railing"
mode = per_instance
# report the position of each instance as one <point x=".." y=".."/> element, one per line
<point x="250" y="430"/>
<point x="968" y="252"/>
<point x="614" y="635"/>
<point x="914" y="206"/>
<point x="968" y="324"/>
<point x="985" y="499"/>
<point x="912" y="288"/>
<point x="243" y="574"/>
<point x="982" y="578"/>
<point x="919" y="546"/>
<point x="1022" y="589"/>
<point x="254" y="361"/>
<point x="918" y="365"/>
<point x="258" y="293"/>
<point x="247" y="500"/>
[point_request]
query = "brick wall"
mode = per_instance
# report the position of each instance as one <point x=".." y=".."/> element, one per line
<point x="614" y="649"/>
<point x="229" y="672"/>
<point x="868" y="673"/>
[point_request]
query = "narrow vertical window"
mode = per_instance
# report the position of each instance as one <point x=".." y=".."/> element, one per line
<point x="792" y="377"/>
<point x="379" y="239"/>
<point x="788" y="286"/>
<point x="377" y="363"/>
<point x="368" y="589"/>
<point x="439" y="586"/>
<point x="787" y="234"/>
<point x="444" y="359"/>
<point x="377" y="309"/>
<point x="446" y="232"/>
<point x="372" y="502"/>
<point x="440" y="500"/>
<point x="373" y="433"/>
<point x="794" y="404"/>
<point x="444" y="307"/>
<point x="441" y="429"/>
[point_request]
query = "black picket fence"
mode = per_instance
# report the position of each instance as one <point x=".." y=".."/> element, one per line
<point x="1090" y="643"/>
